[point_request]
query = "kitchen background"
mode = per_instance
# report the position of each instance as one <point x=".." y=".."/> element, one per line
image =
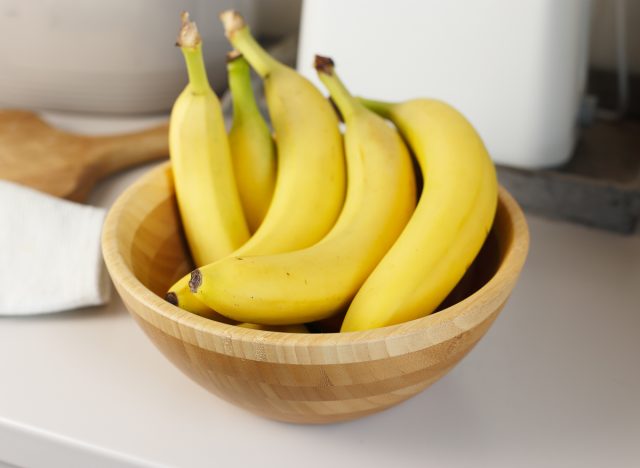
<point x="538" y="82"/>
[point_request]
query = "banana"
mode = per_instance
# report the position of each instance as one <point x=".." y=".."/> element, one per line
<point x="206" y="191"/>
<point x="451" y="221"/>
<point x="310" y="182"/>
<point x="252" y="148"/>
<point x="318" y="281"/>
<point x="190" y="303"/>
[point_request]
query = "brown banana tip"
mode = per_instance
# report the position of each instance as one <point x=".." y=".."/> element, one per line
<point x="323" y="64"/>
<point x="188" y="35"/>
<point x="233" y="55"/>
<point x="171" y="298"/>
<point x="195" y="281"/>
<point x="184" y="17"/>
<point x="232" y="22"/>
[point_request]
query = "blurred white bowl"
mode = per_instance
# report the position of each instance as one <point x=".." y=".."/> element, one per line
<point x="104" y="57"/>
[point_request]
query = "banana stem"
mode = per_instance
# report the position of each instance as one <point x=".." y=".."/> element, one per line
<point x="381" y="108"/>
<point x="344" y="101"/>
<point x="195" y="68"/>
<point x="244" y="101"/>
<point x="239" y="35"/>
<point x="191" y="44"/>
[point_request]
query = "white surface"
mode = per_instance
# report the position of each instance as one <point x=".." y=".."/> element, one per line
<point x="47" y="230"/>
<point x="555" y="383"/>
<point x="515" y="69"/>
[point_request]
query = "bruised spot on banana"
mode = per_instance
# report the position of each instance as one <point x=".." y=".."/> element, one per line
<point x="195" y="280"/>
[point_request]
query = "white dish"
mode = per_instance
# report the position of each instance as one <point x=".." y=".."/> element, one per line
<point x="105" y="57"/>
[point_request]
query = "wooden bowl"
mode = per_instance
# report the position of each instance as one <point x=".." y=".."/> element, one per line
<point x="303" y="378"/>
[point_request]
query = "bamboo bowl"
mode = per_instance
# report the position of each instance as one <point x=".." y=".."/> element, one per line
<point x="314" y="378"/>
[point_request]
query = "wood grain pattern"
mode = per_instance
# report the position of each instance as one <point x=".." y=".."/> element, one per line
<point x="65" y="165"/>
<point x="302" y="378"/>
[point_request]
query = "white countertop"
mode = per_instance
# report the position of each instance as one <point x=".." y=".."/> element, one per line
<point x="554" y="383"/>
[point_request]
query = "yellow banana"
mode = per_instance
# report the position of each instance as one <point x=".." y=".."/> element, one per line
<point x="319" y="281"/>
<point x="252" y="148"/>
<point x="453" y="217"/>
<point x="206" y="191"/>
<point x="310" y="183"/>
<point x="191" y="303"/>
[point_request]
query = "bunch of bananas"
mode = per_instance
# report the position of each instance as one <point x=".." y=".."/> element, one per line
<point x="309" y="224"/>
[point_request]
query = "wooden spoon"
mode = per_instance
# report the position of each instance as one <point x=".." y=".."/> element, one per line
<point x="66" y="165"/>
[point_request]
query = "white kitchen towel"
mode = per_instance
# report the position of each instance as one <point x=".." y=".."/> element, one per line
<point x="50" y="257"/>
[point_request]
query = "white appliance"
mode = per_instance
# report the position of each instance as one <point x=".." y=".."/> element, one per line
<point x="516" y="69"/>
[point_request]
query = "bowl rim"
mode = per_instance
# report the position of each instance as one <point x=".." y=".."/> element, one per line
<point x="460" y="312"/>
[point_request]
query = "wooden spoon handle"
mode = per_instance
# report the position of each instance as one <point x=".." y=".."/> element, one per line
<point x="112" y="153"/>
